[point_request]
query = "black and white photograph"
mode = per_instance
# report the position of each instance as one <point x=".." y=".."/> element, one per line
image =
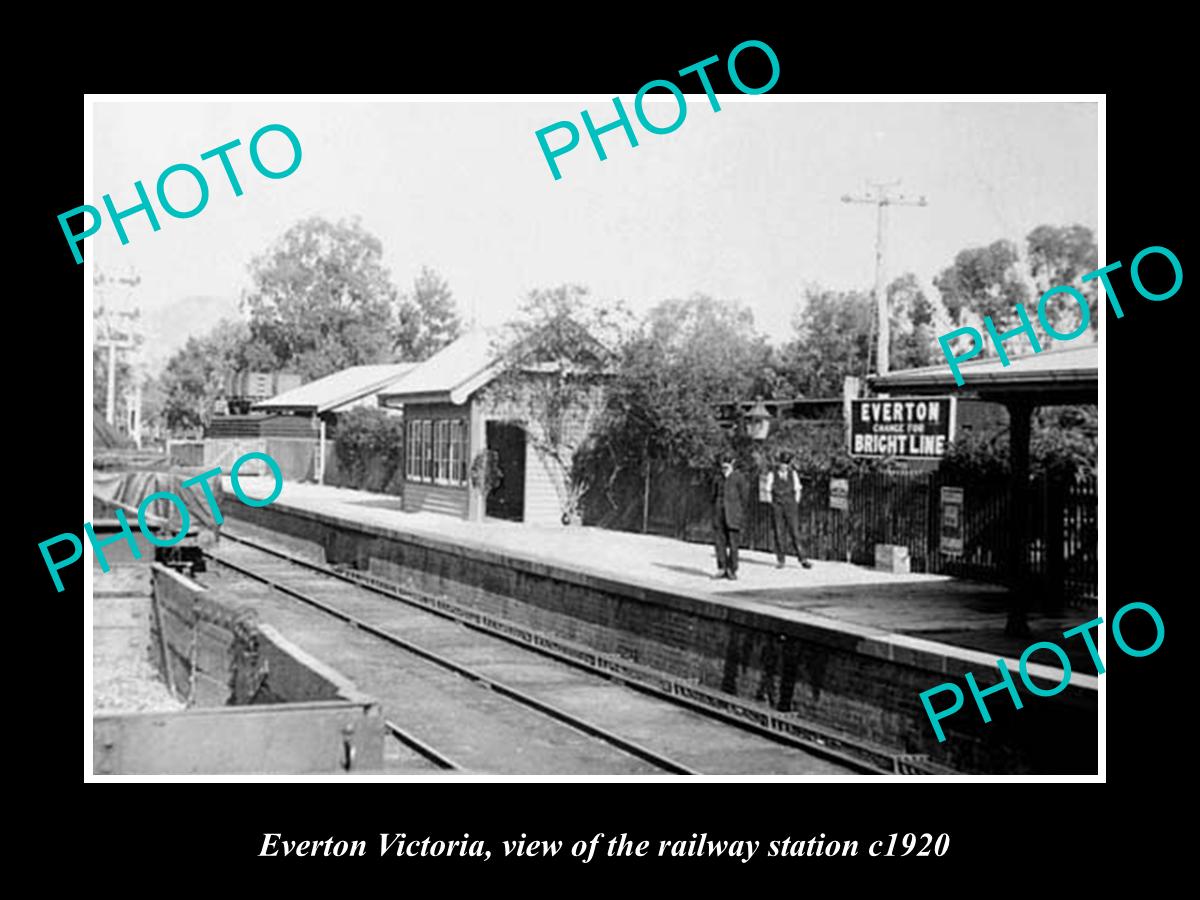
<point x="522" y="437"/>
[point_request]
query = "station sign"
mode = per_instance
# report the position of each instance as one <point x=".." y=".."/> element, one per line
<point x="902" y="427"/>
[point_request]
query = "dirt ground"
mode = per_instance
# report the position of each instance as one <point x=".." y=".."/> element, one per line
<point x="124" y="679"/>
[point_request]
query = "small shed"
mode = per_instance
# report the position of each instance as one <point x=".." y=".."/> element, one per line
<point x="345" y="390"/>
<point x="466" y="455"/>
<point x="321" y="401"/>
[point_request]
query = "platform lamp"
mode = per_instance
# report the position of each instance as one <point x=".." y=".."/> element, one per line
<point x="758" y="421"/>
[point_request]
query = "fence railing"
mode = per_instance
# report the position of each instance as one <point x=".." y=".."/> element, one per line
<point x="895" y="508"/>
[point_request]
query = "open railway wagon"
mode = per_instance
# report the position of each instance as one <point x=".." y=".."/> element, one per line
<point x="251" y="701"/>
<point x="128" y="490"/>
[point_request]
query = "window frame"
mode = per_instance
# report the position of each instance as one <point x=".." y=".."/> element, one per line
<point x="436" y="451"/>
<point x="456" y="453"/>
<point x="440" y="451"/>
<point x="427" y="450"/>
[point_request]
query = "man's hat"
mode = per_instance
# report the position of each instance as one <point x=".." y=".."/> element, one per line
<point x="727" y="456"/>
<point x="785" y="456"/>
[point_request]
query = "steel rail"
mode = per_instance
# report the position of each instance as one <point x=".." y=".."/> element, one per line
<point x="631" y="747"/>
<point x="414" y="743"/>
<point x="415" y="599"/>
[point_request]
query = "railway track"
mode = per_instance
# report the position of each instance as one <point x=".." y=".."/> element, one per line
<point x="356" y="600"/>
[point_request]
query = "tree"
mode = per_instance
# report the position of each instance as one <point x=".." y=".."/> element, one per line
<point x="983" y="281"/>
<point x="555" y="358"/>
<point x="834" y="330"/>
<point x="370" y="444"/>
<point x="195" y="376"/>
<point x="993" y="280"/>
<point x="689" y="357"/>
<point x="913" y="341"/>
<point x="835" y="333"/>
<point x="1061" y="255"/>
<point x="321" y="300"/>
<point x="427" y="319"/>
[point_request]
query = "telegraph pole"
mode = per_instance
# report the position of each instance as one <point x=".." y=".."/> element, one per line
<point x="879" y="195"/>
<point x="113" y="345"/>
<point x="117" y="338"/>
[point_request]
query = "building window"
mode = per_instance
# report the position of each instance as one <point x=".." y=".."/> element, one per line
<point x="436" y="451"/>
<point x="410" y="449"/>
<point x="458" y="455"/>
<point x="427" y="449"/>
<point x="441" y="451"/>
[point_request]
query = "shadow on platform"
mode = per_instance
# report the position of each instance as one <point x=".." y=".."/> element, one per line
<point x="688" y="570"/>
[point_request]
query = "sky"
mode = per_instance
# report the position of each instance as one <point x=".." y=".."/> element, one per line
<point x="741" y="204"/>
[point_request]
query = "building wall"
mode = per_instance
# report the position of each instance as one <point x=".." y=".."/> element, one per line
<point x="436" y="498"/>
<point x="542" y="505"/>
<point x="260" y="425"/>
<point x="543" y="477"/>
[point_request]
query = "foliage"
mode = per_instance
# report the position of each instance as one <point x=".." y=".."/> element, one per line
<point x="688" y="357"/>
<point x="913" y="340"/>
<point x="835" y="334"/>
<point x="555" y="358"/>
<point x="195" y="376"/>
<point x="369" y="444"/>
<point x="977" y="456"/>
<point x="1060" y="255"/>
<point x="1063" y="442"/>
<point x="983" y="281"/>
<point x="485" y="471"/>
<point x="992" y="280"/>
<point x="321" y="300"/>
<point x="427" y="318"/>
<point x="818" y="448"/>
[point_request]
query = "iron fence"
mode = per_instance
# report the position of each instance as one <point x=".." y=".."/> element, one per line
<point x="1060" y="549"/>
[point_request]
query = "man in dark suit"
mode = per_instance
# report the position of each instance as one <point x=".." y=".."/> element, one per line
<point x="729" y="503"/>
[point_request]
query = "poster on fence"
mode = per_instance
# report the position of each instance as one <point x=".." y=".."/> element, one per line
<point x="839" y="493"/>
<point x="952" y="521"/>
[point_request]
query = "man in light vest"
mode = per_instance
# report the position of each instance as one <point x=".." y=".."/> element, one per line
<point x="783" y="487"/>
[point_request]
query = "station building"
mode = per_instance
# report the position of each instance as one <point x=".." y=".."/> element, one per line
<point x="320" y="402"/>
<point x="466" y="453"/>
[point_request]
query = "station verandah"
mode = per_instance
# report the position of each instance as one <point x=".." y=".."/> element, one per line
<point x="1052" y="378"/>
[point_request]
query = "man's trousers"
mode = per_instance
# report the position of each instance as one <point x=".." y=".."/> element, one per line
<point x="726" y="540"/>
<point x="786" y="517"/>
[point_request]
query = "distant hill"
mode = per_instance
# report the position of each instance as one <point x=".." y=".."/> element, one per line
<point x="169" y="325"/>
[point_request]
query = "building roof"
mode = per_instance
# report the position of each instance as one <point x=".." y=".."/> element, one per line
<point x="332" y="391"/>
<point x="1068" y="375"/>
<point x="449" y="376"/>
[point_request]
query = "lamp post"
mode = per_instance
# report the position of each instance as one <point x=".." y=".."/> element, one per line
<point x="758" y="421"/>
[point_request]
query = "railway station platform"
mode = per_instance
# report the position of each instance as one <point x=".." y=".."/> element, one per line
<point x="843" y="644"/>
<point x="963" y="614"/>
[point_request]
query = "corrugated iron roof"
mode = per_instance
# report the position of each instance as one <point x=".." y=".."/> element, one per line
<point x="328" y="393"/>
<point x="450" y="375"/>
<point x="1072" y="365"/>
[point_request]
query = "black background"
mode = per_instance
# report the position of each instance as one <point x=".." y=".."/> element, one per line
<point x="1000" y="836"/>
